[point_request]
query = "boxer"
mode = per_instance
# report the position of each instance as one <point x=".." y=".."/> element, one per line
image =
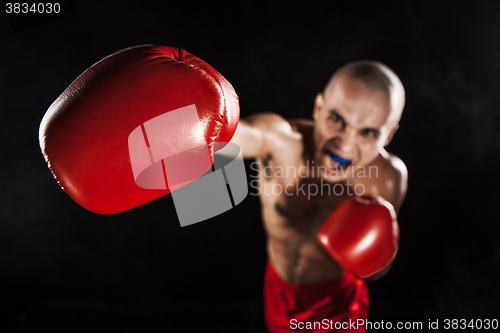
<point x="310" y="169"/>
<point x="329" y="190"/>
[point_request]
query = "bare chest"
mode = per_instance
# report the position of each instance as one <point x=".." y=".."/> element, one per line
<point x="294" y="201"/>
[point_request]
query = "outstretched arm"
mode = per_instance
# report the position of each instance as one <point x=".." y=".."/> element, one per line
<point x="256" y="134"/>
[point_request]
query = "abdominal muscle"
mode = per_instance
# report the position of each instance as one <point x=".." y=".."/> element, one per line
<point x="301" y="266"/>
<point x="294" y="252"/>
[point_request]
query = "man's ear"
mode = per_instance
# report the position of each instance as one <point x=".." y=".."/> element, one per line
<point x="391" y="134"/>
<point x="318" y="104"/>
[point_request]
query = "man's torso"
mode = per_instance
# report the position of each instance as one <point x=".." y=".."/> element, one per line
<point x="296" y="202"/>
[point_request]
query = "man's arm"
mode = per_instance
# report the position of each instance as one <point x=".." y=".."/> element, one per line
<point x="257" y="134"/>
<point x="399" y="186"/>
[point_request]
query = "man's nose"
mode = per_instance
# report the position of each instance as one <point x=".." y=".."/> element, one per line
<point x="346" y="140"/>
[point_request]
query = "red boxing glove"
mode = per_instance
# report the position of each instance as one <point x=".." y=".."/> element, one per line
<point x="362" y="235"/>
<point x="107" y="136"/>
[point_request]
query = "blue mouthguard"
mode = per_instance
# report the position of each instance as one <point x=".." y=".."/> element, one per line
<point x="339" y="159"/>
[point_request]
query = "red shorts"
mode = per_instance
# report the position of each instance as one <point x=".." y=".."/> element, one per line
<point x="321" y="307"/>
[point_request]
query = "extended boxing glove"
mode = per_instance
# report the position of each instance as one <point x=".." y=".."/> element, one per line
<point x="110" y="138"/>
<point x="362" y="235"/>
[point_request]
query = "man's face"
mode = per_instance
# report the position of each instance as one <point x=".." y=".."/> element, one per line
<point x="351" y="123"/>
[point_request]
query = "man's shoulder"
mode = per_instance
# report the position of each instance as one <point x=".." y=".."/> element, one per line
<point x="277" y="127"/>
<point x="301" y="123"/>
<point x="395" y="166"/>
<point x="393" y="178"/>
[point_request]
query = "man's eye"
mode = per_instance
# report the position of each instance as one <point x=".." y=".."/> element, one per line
<point x="370" y="133"/>
<point x="335" y="118"/>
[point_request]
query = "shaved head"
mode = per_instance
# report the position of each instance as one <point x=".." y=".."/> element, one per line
<point x="377" y="77"/>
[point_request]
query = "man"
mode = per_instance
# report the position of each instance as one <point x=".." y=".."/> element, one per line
<point x="354" y="119"/>
<point x="307" y="169"/>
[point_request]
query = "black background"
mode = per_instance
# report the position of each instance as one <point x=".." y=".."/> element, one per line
<point x="67" y="269"/>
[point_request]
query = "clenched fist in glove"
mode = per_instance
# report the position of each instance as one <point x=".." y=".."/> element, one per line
<point x="113" y="137"/>
<point x="362" y="235"/>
